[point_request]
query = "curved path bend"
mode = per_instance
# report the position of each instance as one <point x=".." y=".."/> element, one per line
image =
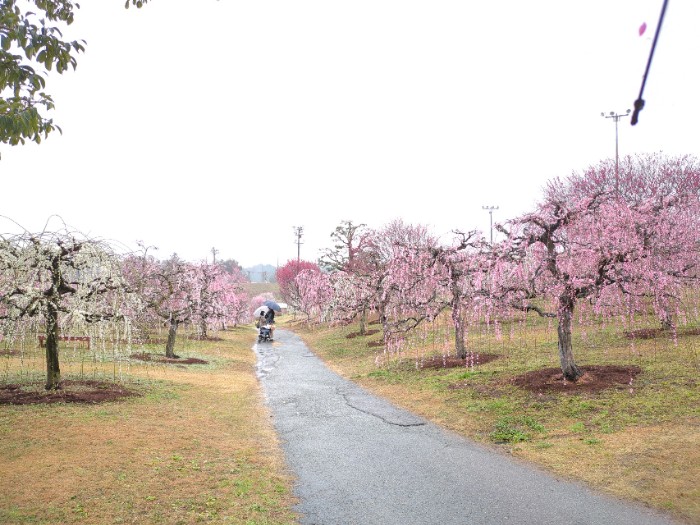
<point x="360" y="460"/>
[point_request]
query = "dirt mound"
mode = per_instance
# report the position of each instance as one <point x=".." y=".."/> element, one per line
<point x="87" y="391"/>
<point x="439" y="361"/>
<point x="653" y="333"/>
<point x="594" y="379"/>
<point x="155" y="358"/>
<point x="358" y="334"/>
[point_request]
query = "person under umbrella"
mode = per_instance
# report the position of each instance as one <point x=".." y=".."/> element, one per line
<point x="259" y="315"/>
<point x="261" y="320"/>
<point x="270" y="319"/>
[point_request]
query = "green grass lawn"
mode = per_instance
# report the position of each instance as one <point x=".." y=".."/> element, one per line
<point x="194" y="446"/>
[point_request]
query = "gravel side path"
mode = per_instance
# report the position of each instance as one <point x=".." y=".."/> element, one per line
<point x="360" y="460"/>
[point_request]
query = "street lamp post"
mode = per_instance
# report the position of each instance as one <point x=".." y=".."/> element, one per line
<point x="616" y="118"/>
<point x="490" y="210"/>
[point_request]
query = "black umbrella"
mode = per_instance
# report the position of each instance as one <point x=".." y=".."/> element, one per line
<point x="272" y="305"/>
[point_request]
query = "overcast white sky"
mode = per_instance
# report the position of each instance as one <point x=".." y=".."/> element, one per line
<point x="191" y="125"/>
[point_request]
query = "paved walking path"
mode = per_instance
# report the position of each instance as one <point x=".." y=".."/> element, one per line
<point x="360" y="460"/>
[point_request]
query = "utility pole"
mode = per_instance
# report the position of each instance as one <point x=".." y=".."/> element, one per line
<point x="298" y="232"/>
<point x="616" y="118"/>
<point x="214" y="251"/>
<point x="490" y="210"/>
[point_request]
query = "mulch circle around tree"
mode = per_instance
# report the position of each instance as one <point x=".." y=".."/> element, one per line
<point x="595" y="378"/>
<point x="71" y="391"/>
<point x="439" y="361"/>
<point x="375" y="344"/>
<point x="155" y="358"/>
<point x="358" y="334"/>
<point x="161" y="340"/>
<point x="7" y="352"/>
<point x="202" y="338"/>
<point x="653" y="333"/>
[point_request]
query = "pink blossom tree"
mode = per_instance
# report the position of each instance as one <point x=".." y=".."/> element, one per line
<point x="586" y="242"/>
<point x="219" y="296"/>
<point x="353" y="294"/>
<point x="425" y="281"/>
<point x="651" y="178"/>
<point x="368" y="287"/>
<point x="236" y="298"/>
<point x="169" y="292"/>
<point x="286" y="278"/>
<point x="315" y="294"/>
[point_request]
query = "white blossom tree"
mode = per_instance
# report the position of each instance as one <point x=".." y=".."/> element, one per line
<point x="59" y="278"/>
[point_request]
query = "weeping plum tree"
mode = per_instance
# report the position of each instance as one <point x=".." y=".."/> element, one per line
<point x="168" y="292"/>
<point x="59" y="278"/>
<point x="352" y="255"/>
<point x="286" y="278"/>
<point x="585" y="242"/>
<point x="465" y="267"/>
<point x="425" y="281"/>
<point x="353" y="294"/>
<point x="209" y="296"/>
<point x="315" y="293"/>
<point x="234" y="298"/>
<point x="384" y="244"/>
<point x="654" y="178"/>
<point x="217" y="294"/>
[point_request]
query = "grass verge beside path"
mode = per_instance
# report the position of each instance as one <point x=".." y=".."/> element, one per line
<point x="639" y="441"/>
<point x="196" y="446"/>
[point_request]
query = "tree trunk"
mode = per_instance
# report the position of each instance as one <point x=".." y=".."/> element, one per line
<point x="667" y="320"/>
<point x="458" y="322"/>
<point x="170" y="345"/>
<point x="203" y="328"/>
<point x="383" y="320"/>
<point x="53" y="371"/>
<point x="566" y="353"/>
<point x="363" y="320"/>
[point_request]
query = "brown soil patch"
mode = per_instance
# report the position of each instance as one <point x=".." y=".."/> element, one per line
<point x="163" y="340"/>
<point x="594" y="379"/>
<point x="9" y="352"/>
<point x="155" y="358"/>
<point x="149" y="341"/>
<point x="653" y="333"/>
<point x="87" y="391"/>
<point x="439" y="361"/>
<point x="358" y="334"/>
<point x="375" y="344"/>
<point x="207" y="338"/>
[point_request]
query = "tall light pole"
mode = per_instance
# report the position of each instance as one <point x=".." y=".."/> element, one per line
<point x="298" y="232"/>
<point x="616" y="117"/>
<point x="490" y="210"/>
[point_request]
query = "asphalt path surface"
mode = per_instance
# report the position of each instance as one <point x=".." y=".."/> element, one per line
<point x="358" y="459"/>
